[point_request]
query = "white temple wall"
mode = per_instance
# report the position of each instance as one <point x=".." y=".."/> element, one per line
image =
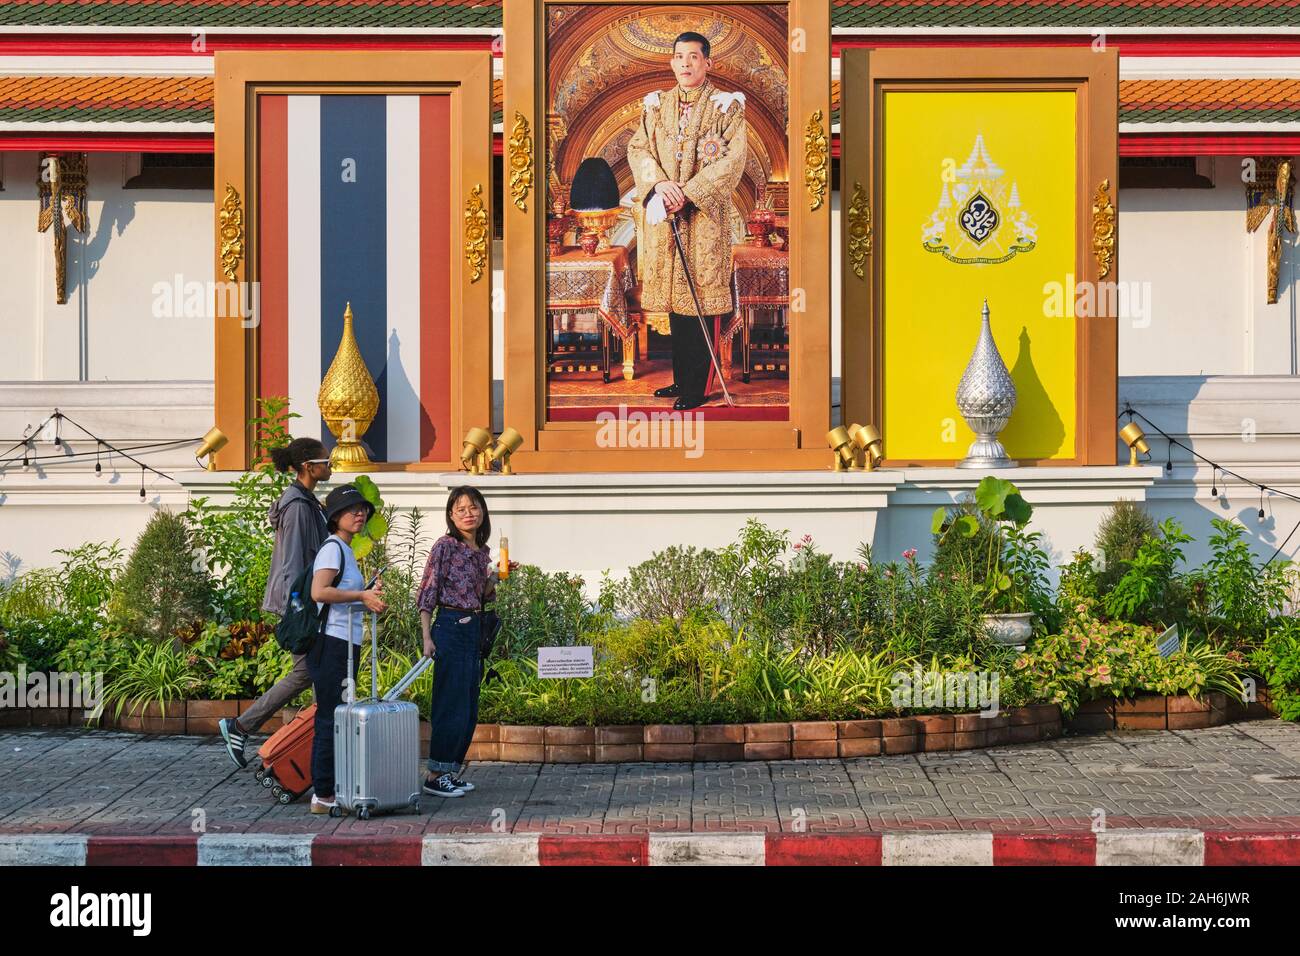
<point x="121" y="280"/>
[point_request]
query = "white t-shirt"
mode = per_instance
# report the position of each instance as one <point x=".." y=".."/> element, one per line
<point x="336" y="625"/>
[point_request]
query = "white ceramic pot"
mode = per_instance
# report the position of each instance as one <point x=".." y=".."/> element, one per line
<point x="1010" y="629"/>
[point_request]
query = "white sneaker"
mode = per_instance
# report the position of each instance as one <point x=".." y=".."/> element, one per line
<point x="322" y="806"/>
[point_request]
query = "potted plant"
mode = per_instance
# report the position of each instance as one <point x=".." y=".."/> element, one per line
<point x="994" y="551"/>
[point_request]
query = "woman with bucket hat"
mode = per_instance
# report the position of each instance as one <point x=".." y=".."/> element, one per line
<point x="337" y="581"/>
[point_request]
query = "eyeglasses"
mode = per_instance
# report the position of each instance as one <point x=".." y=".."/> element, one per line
<point x="466" y="512"/>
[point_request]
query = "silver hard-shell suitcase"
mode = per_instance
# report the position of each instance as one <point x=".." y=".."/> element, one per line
<point x="377" y="745"/>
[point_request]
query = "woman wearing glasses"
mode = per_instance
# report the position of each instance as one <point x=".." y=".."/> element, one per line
<point x="458" y="582"/>
<point x="299" y="523"/>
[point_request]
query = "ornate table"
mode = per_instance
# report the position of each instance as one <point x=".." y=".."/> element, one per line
<point x="760" y="279"/>
<point x="589" y="295"/>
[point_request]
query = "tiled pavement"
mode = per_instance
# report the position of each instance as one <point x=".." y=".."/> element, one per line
<point x="1239" y="777"/>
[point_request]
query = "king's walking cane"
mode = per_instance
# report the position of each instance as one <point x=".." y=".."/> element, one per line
<point x="699" y="313"/>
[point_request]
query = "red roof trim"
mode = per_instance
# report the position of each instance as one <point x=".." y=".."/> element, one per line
<point x="1208" y="144"/>
<point x="1130" y="144"/>
<point x="144" y="44"/>
<point x="108" y="142"/>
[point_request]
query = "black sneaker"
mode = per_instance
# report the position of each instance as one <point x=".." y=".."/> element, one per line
<point x="442" y="786"/>
<point x="234" y="741"/>
<point x="462" y="784"/>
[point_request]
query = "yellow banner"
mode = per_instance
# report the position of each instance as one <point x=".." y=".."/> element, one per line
<point x="979" y="203"/>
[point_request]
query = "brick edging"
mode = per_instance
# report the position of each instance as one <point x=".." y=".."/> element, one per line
<point x="1120" y="847"/>
<point x="687" y="743"/>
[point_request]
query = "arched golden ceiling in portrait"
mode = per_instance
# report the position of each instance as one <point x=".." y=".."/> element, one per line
<point x="603" y="60"/>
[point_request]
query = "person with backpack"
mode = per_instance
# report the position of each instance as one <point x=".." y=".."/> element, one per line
<point x="458" y="581"/>
<point x="337" y="582"/>
<point x="299" y="523"/>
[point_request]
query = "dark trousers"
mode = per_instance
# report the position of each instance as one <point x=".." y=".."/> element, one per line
<point x="328" y="663"/>
<point x="691" y="364"/>
<point x="453" y="712"/>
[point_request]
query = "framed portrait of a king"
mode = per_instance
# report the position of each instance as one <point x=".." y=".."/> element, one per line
<point x="667" y="229"/>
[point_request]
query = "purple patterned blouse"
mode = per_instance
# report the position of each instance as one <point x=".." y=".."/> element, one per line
<point x="465" y="574"/>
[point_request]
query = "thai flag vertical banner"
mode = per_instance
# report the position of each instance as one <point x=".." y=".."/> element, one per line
<point x="354" y="206"/>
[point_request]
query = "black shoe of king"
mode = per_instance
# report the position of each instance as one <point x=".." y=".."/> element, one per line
<point x="683" y="403"/>
<point x="668" y="391"/>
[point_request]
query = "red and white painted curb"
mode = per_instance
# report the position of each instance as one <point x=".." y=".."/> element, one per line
<point x="1122" y="847"/>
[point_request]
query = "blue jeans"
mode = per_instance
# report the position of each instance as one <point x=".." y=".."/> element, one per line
<point x="453" y="712"/>
<point x="327" y="660"/>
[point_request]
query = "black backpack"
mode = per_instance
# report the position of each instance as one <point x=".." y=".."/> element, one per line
<point x="297" y="630"/>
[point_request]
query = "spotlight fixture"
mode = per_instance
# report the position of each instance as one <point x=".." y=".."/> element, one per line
<point x="99" y="470"/>
<point x="839" y="441"/>
<point x="1214" y="482"/>
<point x="1261" y="505"/>
<point x="866" y="440"/>
<point x="142" y="482"/>
<point x="472" y="453"/>
<point x="1133" y="436"/>
<point x="507" y="444"/>
<point x="213" y="442"/>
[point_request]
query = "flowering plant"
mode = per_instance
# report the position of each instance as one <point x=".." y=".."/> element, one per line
<point x="1092" y="659"/>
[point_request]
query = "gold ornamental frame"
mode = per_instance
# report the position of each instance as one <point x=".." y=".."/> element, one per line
<point x="466" y="77"/>
<point x="866" y="76"/>
<point x="796" y="443"/>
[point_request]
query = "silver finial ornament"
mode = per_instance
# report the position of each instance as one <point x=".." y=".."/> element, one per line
<point x="986" y="398"/>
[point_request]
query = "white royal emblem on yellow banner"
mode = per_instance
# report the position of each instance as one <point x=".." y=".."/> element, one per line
<point x="980" y="219"/>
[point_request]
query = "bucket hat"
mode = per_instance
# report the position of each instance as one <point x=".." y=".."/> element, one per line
<point x="344" y="498"/>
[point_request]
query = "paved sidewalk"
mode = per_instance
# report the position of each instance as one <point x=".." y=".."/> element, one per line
<point x="1242" y="777"/>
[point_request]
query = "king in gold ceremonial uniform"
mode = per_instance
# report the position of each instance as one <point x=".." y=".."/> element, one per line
<point x="689" y="152"/>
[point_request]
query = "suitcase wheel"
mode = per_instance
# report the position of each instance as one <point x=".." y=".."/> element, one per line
<point x="363" y="813"/>
<point x="259" y="774"/>
<point x="282" y="795"/>
<point x="268" y="780"/>
<point x="335" y="812"/>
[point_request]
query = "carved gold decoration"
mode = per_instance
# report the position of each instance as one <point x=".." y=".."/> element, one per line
<point x="521" y="162"/>
<point x="1103" y="229"/>
<point x="1262" y="199"/>
<point x="231" y="229"/>
<point x="348" y="401"/>
<point x="61" y="186"/>
<point x="476" y="232"/>
<point x="859" y="230"/>
<point x="817" y="158"/>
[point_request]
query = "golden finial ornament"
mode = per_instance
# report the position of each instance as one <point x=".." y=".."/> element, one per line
<point x="348" y="401"/>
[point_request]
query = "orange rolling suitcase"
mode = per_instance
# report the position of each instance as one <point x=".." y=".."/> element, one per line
<point x="286" y="757"/>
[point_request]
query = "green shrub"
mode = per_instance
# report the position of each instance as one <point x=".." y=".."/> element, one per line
<point x="1149" y="591"/>
<point x="540" y="610"/>
<point x="235" y="542"/>
<point x="402" y="551"/>
<point x="162" y="588"/>
<point x="1125" y="527"/>
<point x="1233" y="598"/>
<point x="44" y="609"/>
<point x="1278" y="662"/>
<point x="957" y="555"/>
<point x="671" y="585"/>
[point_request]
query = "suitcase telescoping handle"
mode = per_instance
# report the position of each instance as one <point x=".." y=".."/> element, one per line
<point x="420" y="667"/>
